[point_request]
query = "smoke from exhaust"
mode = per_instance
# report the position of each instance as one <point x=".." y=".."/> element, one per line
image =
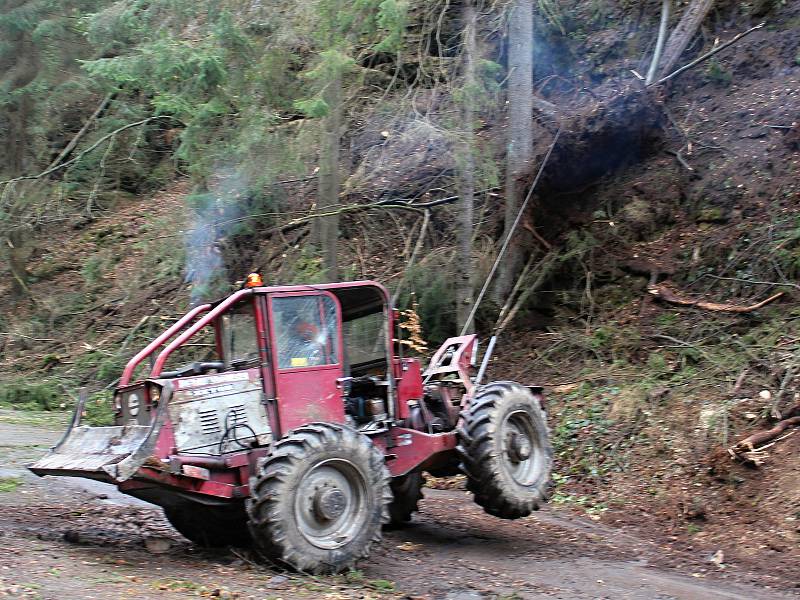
<point x="216" y="214"/>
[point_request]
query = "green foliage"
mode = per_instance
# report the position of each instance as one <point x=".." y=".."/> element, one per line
<point x="307" y="268"/>
<point x="580" y="430"/>
<point x="432" y="286"/>
<point x="164" y="257"/>
<point x="314" y="107"/>
<point x="657" y="363"/>
<point x="555" y="17"/>
<point x="98" y="410"/>
<point x="99" y="366"/>
<point x="30" y="395"/>
<point x="9" y="484"/>
<point x="718" y="74"/>
<point x="601" y="337"/>
<point x="391" y="20"/>
<point x="788" y="250"/>
<point x="95" y="267"/>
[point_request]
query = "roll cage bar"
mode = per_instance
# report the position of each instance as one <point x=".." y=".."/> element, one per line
<point x="354" y="303"/>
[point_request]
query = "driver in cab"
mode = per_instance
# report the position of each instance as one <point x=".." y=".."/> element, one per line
<point x="301" y="345"/>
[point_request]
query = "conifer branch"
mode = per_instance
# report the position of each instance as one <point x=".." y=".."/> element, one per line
<point x="76" y="158"/>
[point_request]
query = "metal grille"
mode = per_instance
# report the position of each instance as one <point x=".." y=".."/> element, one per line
<point x="236" y="415"/>
<point x="209" y="421"/>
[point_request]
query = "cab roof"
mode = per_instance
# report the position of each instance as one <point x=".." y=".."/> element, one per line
<point x="358" y="298"/>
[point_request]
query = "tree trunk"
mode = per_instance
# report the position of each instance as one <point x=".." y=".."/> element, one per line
<point x="17" y="253"/>
<point x="327" y="228"/>
<point x="662" y="36"/>
<point x="466" y="170"/>
<point x="683" y="33"/>
<point x="520" y="133"/>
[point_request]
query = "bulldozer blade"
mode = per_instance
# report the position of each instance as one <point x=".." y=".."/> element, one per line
<point x="112" y="454"/>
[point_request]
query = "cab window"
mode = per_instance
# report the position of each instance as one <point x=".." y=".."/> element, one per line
<point x="239" y="337"/>
<point x="365" y="343"/>
<point x="305" y="331"/>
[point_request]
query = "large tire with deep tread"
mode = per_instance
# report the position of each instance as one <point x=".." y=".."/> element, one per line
<point x="320" y="499"/>
<point x="505" y="451"/>
<point x="407" y="492"/>
<point x="210" y="526"/>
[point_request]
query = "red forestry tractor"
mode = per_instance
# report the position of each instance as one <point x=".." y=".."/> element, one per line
<point x="309" y="431"/>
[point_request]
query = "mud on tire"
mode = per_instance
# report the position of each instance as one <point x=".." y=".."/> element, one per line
<point x="319" y="499"/>
<point x="505" y="450"/>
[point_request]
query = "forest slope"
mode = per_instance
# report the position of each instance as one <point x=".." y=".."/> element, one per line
<point x="699" y="191"/>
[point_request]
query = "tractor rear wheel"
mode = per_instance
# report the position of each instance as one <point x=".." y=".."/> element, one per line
<point x="407" y="492"/>
<point x="320" y="499"/>
<point x="210" y="526"/>
<point x="505" y="450"/>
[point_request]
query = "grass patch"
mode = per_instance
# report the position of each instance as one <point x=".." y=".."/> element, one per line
<point x="40" y="404"/>
<point x="9" y="484"/>
<point x="355" y="576"/>
<point x="40" y="395"/>
<point x="35" y="418"/>
<point x="98" y="411"/>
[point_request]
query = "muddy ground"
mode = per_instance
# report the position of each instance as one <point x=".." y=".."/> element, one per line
<point x="72" y="538"/>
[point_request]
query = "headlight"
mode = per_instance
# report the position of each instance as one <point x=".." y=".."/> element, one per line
<point x="133" y="404"/>
<point x="155" y="394"/>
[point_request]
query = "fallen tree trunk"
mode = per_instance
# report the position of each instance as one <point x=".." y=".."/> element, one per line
<point x="663" y="292"/>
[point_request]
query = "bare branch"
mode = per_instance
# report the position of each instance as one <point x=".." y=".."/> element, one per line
<point x="707" y="55"/>
<point x="662" y="36"/>
<point x="75" y="159"/>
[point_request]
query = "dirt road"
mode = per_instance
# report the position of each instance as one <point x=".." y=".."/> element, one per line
<point x="72" y="538"/>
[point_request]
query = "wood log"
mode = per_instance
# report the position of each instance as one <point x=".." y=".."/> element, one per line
<point x="663" y="292"/>
<point x="750" y="443"/>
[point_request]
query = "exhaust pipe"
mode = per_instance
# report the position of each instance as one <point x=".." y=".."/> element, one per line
<point x="485" y="362"/>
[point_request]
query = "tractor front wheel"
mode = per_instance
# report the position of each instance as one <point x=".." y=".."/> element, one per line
<point x="320" y="499"/>
<point x="505" y="450"/>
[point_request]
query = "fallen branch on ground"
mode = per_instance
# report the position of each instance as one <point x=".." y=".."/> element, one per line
<point x="662" y="292"/>
<point x="750" y="450"/>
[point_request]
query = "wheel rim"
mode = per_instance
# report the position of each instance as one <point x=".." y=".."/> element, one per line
<point x="331" y="504"/>
<point x="521" y="455"/>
